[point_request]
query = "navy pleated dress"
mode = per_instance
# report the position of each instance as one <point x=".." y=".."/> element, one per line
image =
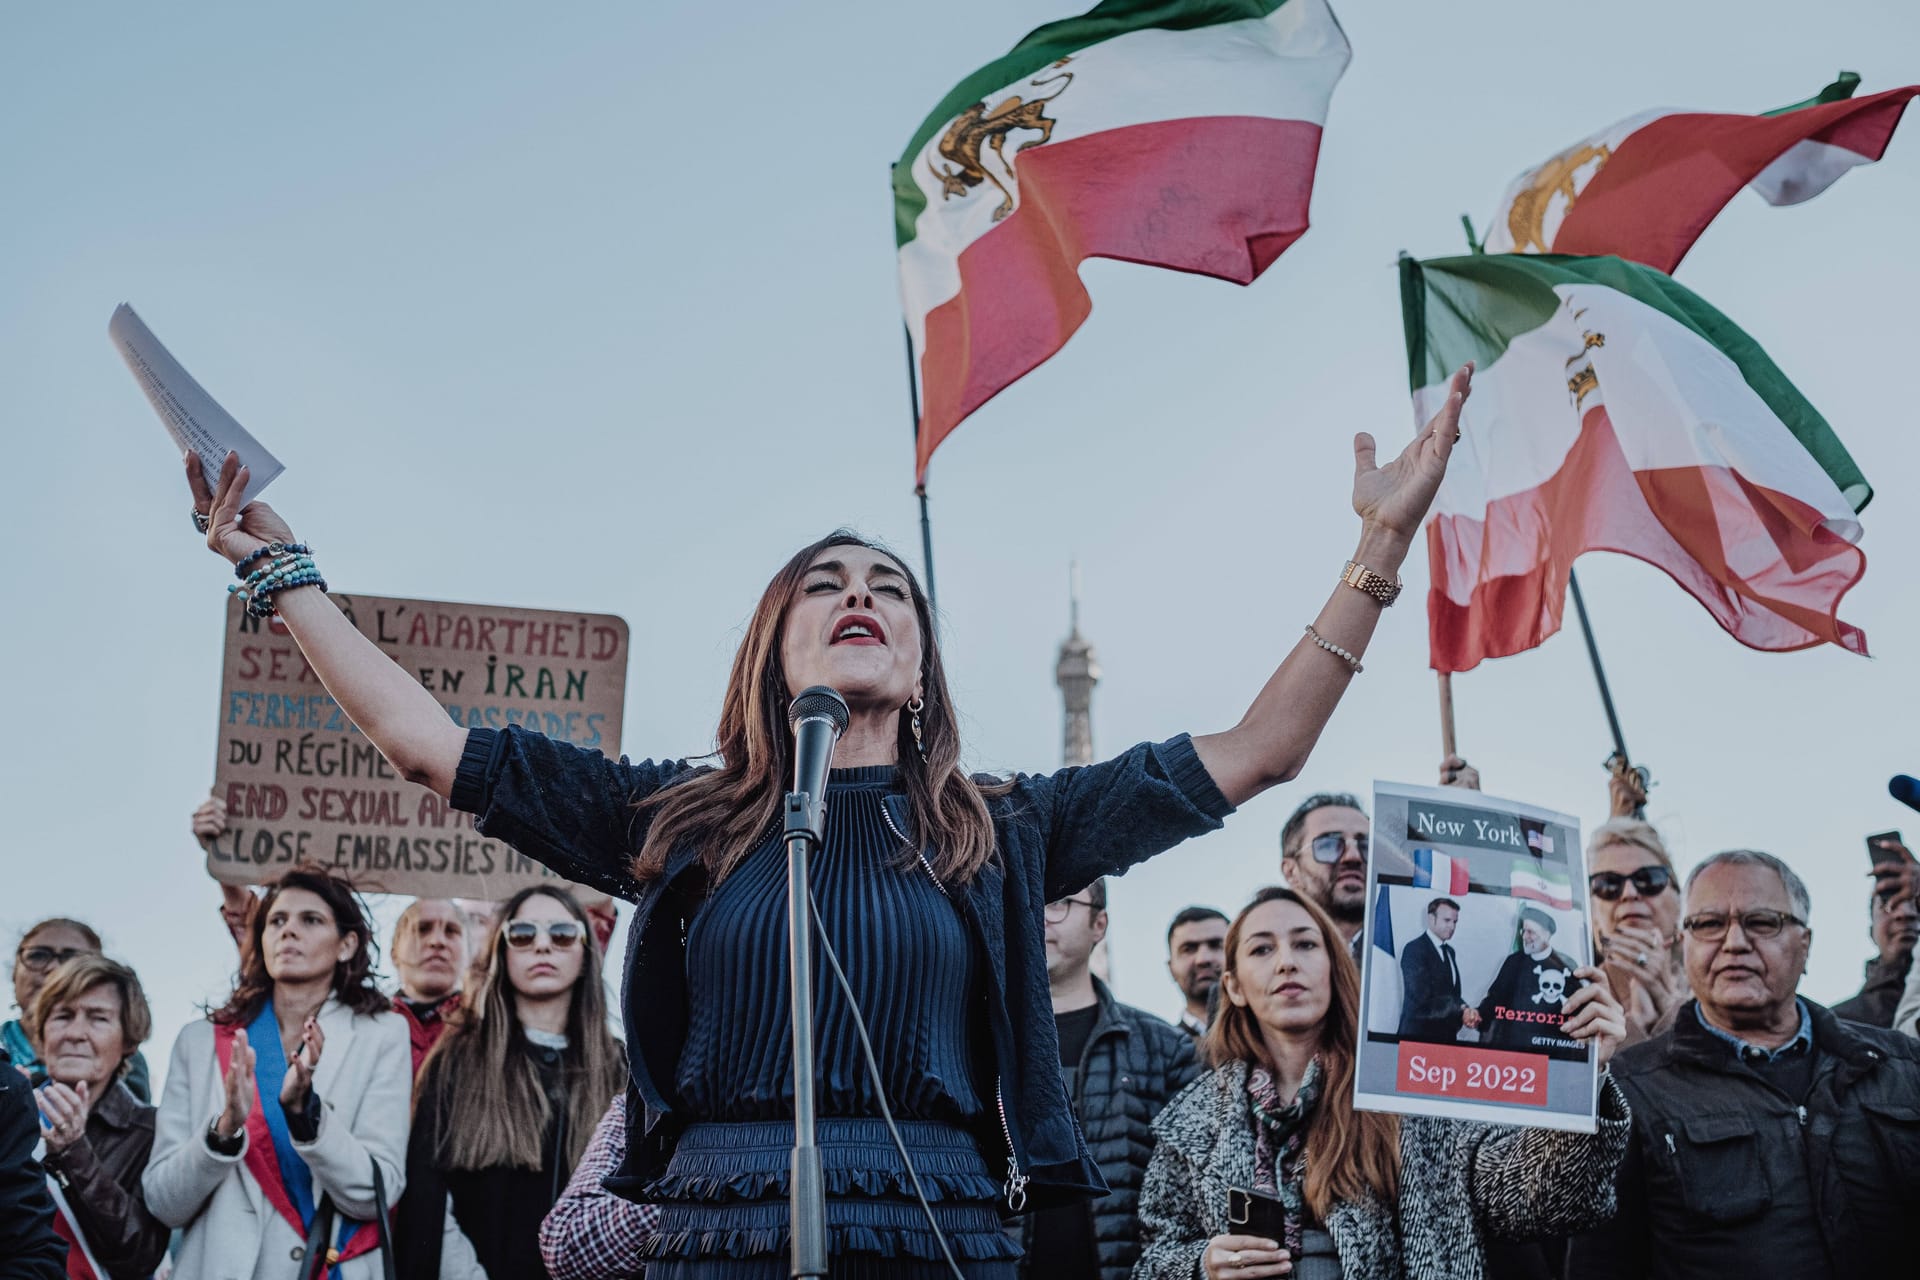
<point x="910" y="961"/>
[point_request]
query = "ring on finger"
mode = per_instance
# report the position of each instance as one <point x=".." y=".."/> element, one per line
<point x="1641" y="959"/>
<point x="201" y="520"/>
<point x="1233" y="1259"/>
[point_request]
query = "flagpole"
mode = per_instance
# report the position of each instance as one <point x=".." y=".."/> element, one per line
<point x="1620" y="759"/>
<point x="920" y="490"/>
<point x="1446" y="715"/>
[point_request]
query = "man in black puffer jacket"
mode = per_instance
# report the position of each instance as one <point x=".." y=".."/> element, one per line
<point x="1121" y="1066"/>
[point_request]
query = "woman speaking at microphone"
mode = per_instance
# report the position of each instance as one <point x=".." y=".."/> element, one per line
<point x="930" y="886"/>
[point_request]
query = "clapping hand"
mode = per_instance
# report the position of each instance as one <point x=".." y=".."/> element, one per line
<point x="299" y="1081"/>
<point x="63" y="1114"/>
<point x="239" y="1088"/>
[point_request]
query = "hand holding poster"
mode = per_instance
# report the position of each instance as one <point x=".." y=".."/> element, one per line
<point x="1474" y="931"/>
<point x="301" y="783"/>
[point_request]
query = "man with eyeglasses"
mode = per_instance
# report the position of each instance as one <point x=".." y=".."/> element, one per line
<point x="1323" y="855"/>
<point x="1769" y="1137"/>
<point x="1121" y="1065"/>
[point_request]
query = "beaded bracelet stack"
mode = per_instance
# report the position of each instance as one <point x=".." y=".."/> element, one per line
<point x="287" y="565"/>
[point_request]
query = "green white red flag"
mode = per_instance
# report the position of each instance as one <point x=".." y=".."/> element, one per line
<point x="1172" y="133"/>
<point x="1615" y="410"/>
<point x="1645" y="187"/>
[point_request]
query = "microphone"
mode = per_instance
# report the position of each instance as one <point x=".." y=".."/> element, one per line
<point x="1904" y="789"/>
<point x="818" y="717"/>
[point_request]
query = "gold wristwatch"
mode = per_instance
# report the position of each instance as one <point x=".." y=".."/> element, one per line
<point x="1377" y="585"/>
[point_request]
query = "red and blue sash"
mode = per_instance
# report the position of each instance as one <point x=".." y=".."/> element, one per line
<point x="281" y="1172"/>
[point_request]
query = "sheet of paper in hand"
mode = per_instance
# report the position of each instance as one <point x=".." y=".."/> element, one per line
<point x="302" y="784"/>
<point x="1476" y="920"/>
<point x="193" y="418"/>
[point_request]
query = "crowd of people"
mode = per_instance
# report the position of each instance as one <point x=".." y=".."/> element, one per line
<point x="987" y="1108"/>
<point x="480" y="1107"/>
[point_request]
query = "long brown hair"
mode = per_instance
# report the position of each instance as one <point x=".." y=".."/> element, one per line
<point x="728" y="808"/>
<point x="1349" y="1153"/>
<point x="353" y="978"/>
<point x="481" y="1075"/>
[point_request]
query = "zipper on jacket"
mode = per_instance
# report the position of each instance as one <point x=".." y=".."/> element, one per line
<point x="1016" y="1181"/>
<point x="1802" y="1113"/>
<point x="1670" y="1150"/>
<point x="887" y="818"/>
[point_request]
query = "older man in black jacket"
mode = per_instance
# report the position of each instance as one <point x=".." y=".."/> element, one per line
<point x="1122" y="1065"/>
<point x="29" y="1249"/>
<point x="1770" y="1138"/>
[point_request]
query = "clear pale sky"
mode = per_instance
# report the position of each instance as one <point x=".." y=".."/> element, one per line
<point x="593" y="306"/>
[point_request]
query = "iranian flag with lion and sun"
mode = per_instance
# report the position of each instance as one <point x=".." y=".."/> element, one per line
<point x="1646" y="187"/>
<point x="1615" y="410"/>
<point x="1172" y="133"/>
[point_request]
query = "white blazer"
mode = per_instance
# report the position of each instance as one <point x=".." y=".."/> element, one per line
<point x="364" y="1082"/>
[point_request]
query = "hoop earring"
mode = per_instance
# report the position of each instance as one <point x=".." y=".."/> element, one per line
<point x="914" y="708"/>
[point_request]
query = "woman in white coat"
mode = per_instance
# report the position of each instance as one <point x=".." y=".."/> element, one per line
<point x="293" y="1094"/>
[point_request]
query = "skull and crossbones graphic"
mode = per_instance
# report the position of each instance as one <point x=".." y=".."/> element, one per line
<point x="1552" y="983"/>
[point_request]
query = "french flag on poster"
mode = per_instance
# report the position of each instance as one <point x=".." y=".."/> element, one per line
<point x="1435" y="870"/>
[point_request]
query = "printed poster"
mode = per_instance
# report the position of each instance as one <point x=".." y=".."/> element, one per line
<point x="1476" y="920"/>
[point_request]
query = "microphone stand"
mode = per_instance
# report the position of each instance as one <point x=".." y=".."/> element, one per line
<point x="806" y="1189"/>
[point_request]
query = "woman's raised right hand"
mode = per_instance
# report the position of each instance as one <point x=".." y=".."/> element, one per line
<point x="231" y="532"/>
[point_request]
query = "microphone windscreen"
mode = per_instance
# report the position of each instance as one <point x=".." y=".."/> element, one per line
<point x="1904" y="789"/>
<point x="820" y="701"/>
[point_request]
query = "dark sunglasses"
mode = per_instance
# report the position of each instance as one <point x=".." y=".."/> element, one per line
<point x="563" y="934"/>
<point x="1326" y="848"/>
<point x="1648" y="882"/>
<point x="40" y="959"/>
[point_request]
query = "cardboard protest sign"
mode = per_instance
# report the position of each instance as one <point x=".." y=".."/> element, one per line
<point x="1476" y="920"/>
<point x="301" y="783"/>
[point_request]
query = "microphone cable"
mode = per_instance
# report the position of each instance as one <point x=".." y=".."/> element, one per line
<point x="879" y="1085"/>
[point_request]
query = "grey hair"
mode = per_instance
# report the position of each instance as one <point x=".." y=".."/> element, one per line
<point x="1795" y="886"/>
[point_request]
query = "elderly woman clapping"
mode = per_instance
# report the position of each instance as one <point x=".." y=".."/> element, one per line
<point x="86" y="1020"/>
<point x="1355" y="1195"/>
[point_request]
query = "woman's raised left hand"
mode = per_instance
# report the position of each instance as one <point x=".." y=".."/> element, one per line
<point x="1593" y="1013"/>
<point x="1394" y="498"/>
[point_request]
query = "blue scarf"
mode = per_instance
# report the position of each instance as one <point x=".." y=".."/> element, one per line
<point x="270" y="1074"/>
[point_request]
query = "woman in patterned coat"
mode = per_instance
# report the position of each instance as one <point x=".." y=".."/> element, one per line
<point x="1355" y="1195"/>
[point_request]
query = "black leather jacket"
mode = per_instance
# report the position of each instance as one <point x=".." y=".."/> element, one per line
<point x="1728" y="1176"/>
<point x="100" y="1177"/>
<point x="1132" y="1065"/>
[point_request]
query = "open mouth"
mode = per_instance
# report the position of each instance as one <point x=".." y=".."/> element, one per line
<point x="859" y="628"/>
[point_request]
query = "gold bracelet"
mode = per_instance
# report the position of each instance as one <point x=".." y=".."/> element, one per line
<point x="1378" y="585"/>
<point x="1335" y="649"/>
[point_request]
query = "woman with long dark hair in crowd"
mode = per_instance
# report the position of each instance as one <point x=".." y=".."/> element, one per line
<point x="88" y="1018"/>
<point x="42" y="947"/>
<point x="291" y="1094"/>
<point x="1364" y="1195"/>
<point x="509" y="1098"/>
<point x="930" y="885"/>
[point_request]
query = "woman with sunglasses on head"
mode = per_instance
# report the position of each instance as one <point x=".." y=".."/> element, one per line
<point x="1635" y="904"/>
<point x="509" y="1098"/>
<point x="929" y="886"/>
<point x="288" y="1105"/>
<point x="43" y="947"/>
<point x="1358" y="1195"/>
